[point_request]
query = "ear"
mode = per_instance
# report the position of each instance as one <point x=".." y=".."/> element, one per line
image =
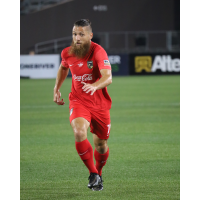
<point x="91" y="36"/>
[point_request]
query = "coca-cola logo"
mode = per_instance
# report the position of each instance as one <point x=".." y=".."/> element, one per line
<point x="85" y="77"/>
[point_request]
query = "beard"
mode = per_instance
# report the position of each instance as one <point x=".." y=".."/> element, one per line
<point x="80" y="51"/>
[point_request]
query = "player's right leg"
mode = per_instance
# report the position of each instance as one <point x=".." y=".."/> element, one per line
<point x="80" y="126"/>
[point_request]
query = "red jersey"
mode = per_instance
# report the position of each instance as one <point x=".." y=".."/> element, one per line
<point x="87" y="70"/>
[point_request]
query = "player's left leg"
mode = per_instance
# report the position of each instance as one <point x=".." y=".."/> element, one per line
<point x="101" y="154"/>
<point x="100" y="127"/>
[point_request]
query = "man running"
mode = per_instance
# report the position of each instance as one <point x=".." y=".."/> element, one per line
<point x="89" y="101"/>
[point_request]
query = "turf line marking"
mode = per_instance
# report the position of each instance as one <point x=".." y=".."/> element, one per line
<point x="154" y="104"/>
<point x="114" y="104"/>
<point x="39" y="106"/>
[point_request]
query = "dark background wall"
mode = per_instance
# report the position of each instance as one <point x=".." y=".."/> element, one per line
<point x="126" y="15"/>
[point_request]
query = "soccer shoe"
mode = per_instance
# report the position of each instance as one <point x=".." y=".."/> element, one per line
<point x="94" y="180"/>
<point x="98" y="187"/>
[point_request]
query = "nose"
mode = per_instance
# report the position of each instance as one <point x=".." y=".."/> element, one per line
<point x="77" y="37"/>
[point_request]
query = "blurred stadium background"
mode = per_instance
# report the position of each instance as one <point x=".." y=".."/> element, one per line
<point x="142" y="39"/>
<point x="126" y="31"/>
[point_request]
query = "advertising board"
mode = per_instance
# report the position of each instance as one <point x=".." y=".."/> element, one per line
<point x="119" y="64"/>
<point x="149" y="63"/>
<point x="39" y="66"/>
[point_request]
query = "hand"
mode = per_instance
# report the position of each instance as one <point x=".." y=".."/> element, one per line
<point x="89" y="88"/>
<point x="56" y="98"/>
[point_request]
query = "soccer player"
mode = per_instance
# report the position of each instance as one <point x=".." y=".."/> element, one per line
<point x="89" y="101"/>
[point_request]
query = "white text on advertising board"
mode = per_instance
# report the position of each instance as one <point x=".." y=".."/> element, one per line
<point x="163" y="63"/>
<point x="166" y="64"/>
<point x="115" y="59"/>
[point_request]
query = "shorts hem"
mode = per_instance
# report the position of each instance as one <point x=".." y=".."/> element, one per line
<point x="100" y="136"/>
<point x="80" y="117"/>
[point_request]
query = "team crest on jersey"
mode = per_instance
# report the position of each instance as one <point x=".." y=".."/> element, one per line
<point x="90" y="64"/>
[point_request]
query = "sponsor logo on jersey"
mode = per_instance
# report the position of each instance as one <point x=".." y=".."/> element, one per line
<point x="90" y="64"/>
<point x="85" y="77"/>
<point x="80" y="64"/>
<point x="163" y="63"/>
<point x="106" y="62"/>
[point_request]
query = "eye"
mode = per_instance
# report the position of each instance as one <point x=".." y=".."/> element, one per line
<point x="82" y="34"/>
<point x="74" y="34"/>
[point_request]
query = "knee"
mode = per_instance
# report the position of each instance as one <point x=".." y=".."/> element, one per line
<point x="101" y="147"/>
<point x="80" y="134"/>
<point x="80" y="126"/>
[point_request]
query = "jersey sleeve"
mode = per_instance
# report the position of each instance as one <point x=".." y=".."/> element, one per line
<point x="102" y="59"/>
<point x="63" y="61"/>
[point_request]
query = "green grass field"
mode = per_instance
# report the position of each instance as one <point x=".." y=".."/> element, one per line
<point x="144" y="161"/>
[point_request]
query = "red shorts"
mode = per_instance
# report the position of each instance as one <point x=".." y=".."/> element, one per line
<point x="100" y="123"/>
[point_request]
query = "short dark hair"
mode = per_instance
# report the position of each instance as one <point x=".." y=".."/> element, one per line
<point x="83" y="22"/>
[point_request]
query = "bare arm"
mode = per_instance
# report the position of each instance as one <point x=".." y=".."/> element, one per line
<point x="61" y="76"/>
<point x="104" y="81"/>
